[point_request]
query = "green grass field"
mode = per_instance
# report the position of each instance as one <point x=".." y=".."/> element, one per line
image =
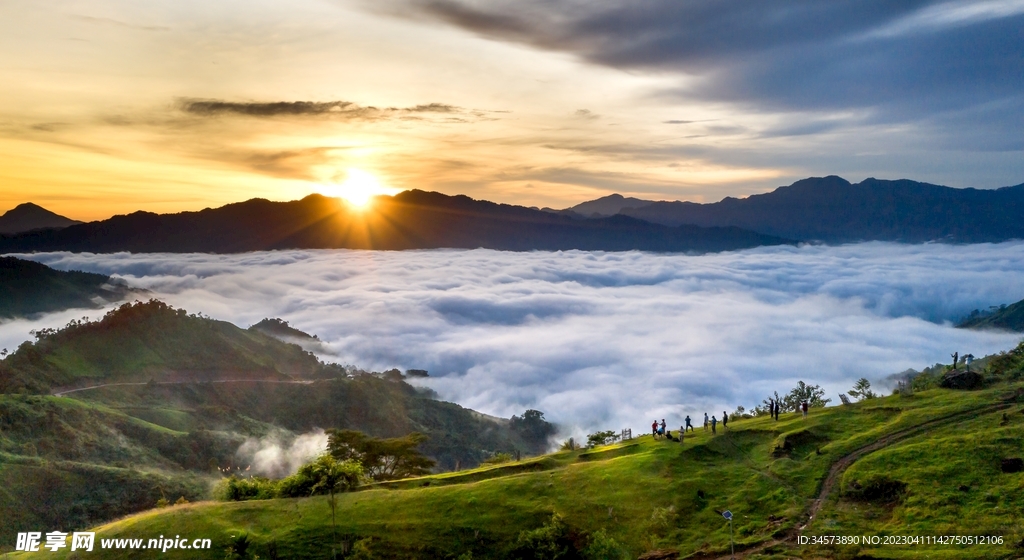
<point x="943" y="478"/>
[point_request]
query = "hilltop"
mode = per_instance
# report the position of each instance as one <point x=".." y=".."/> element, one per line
<point x="28" y="288"/>
<point x="29" y="217"/>
<point x="103" y="418"/>
<point x="932" y="463"/>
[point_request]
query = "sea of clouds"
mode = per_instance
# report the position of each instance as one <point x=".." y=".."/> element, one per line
<point x="600" y="340"/>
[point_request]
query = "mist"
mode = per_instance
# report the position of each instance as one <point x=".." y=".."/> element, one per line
<point x="279" y="455"/>
<point x="601" y="340"/>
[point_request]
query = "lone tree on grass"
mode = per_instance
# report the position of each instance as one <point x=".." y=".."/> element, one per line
<point x="813" y="394"/>
<point x="381" y="459"/>
<point x="332" y="476"/>
<point x="862" y="390"/>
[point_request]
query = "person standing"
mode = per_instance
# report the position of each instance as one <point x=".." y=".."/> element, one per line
<point x="689" y="426"/>
<point x="725" y="420"/>
<point x="803" y="407"/>
<point x="654" y="428"/>
<point x="713" y="423"/>
<point x="705" y="421"/>
<point x="662" y="431"/>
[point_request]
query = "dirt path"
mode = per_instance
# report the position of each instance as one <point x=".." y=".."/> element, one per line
<point x="68" y="391"/>
<point x="839" y="467"/>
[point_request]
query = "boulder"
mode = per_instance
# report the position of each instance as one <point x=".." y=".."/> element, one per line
<point x="961" y="379"/>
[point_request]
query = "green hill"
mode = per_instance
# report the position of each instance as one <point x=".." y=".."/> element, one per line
<point x="27" y="288"/>
<point x="100" y="419"/>
<point x="927" y="464"/>
<point x="1006" y="317"/>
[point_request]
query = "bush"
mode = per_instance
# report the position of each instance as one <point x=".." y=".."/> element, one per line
<point x="235" y="489"/>
<point x="603" y="547"/>
<point x="498" y="458"/>
<point x="549" y="542"/>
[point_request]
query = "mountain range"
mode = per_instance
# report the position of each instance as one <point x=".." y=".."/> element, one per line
<point x="833" y="210"/>
<point x="824" y="209"/>
<point x="409" y="220"/>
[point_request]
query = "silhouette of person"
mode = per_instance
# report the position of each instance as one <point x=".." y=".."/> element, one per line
<point x="714" y="422"/>
<point x="725" y="420"/>
<point x="689" y="426"/>
<point x="654" y="428"/>
<point x="705" y="421"/>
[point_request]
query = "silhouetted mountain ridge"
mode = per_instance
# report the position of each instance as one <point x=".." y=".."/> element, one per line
<point x="410" y="220"/>
<point x="29" y="216"/>
<point x="832" y="209"/>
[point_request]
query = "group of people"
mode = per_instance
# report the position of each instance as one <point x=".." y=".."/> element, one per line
<point x="659" y="429"/>
<point x="774" y="408"/>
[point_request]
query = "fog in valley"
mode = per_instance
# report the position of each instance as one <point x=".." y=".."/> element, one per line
<point x="597" y="340"/>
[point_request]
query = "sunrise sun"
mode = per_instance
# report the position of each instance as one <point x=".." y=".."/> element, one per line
<point x="358" y="188"/>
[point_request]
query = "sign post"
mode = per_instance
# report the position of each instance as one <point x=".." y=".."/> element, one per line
<point x="732" y="547"/>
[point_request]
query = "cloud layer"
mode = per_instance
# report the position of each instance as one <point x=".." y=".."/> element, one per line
<point x="603" y="340"/>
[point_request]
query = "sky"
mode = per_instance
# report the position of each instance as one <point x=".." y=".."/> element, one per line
<point x="111" y="106"/>
<point x="597" y="340"/>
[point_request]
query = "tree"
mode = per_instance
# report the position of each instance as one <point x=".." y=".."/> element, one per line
<point x="862" y="390"/>
<point x="331" y="476"/>
<point x="765" y="406"/>
<point x="601" y="438"/>
<point x="532" y="427"/>
<point x="381" y="459"/>
<point x="813" y="394"/>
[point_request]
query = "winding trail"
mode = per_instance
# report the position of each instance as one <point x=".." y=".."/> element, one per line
<point x="69" y="391"/>
<point x="837" y="469"/>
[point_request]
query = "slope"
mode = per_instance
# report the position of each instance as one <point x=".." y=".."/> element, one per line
<point x="27" y="288"/>
<point x="645" y="495"/>
<point x="148" y="402"/>
<point x="1006" y="317"/>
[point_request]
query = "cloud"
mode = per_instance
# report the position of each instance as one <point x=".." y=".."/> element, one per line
<point x="603" y="340"/>
<point x="339" y="109"/>
<point x="280" y="455"/>
<point x="902" y="61"/>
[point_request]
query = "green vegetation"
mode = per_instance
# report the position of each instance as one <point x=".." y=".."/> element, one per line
<point x="381" y="459"/>
<point x="27" y="288"/>
<point x="936" y="471"/>
<point x="155" y="404"/>
<point x="1004" y="317"/>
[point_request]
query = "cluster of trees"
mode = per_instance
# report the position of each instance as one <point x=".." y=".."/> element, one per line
<point x="352" y="458"/>
<point x="813" y="394"/>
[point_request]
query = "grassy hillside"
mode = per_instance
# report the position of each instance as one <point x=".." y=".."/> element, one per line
<point x="27" y="288"/>
<point x="1006" y="317"/>
<point x="100" y="419"/>
<point x="926" y="464"/>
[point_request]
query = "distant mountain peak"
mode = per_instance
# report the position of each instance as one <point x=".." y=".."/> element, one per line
<point x="29" y="216"/>
<point x="607" y="205"/>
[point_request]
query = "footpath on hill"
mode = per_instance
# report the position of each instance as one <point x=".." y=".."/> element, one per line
<point x="837" y="469"/>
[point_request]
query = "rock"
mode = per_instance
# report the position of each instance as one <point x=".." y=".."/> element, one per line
<point x="961" y="379"/>
<point x="1012" y="465"/>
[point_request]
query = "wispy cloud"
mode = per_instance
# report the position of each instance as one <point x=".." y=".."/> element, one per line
<point x="340" y="109"/>
<point x="603" y="340"/>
